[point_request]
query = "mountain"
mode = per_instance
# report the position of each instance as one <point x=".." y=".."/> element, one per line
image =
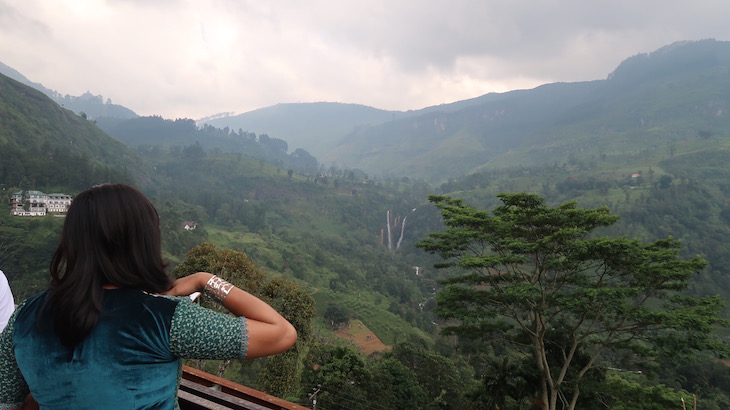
<point x="672" y="94"/>
<point x="324" y="230"/>
<point x="45" y="145"/>
<point x="15" y="75"/>
<point x="446" y="143"/>
<point x="650" y="142"/>
<point x="315" y="127"/>
<point x="319" y="127"/>
<point x="155" y="134"/>
<point x="93" y="106"/>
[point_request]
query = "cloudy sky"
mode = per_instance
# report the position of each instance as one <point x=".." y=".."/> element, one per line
<point x="194" y="58"/>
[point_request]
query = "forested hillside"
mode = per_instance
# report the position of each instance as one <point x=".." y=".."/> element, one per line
<point x="46" y="146"/>
<point x="152" y="134"/>
<point x="315" y="127"/>
<point x="650" y="143"/>
<point x="649" y="103"/>
<point x="323" y="229"/>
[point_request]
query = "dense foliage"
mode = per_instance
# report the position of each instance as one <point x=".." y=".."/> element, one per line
<point x="279" y="374"/>
<point x="408" y="377"/>
<point x="653" y="151"/>
<point x="533" y="278"/>
<point x="36" y="133"/>
<point x="183" y="137"/>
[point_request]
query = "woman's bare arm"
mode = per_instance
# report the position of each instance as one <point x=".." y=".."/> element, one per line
<point x="269" y="333"/>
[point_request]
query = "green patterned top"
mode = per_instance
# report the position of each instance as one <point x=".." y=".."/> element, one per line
<point x="132" y="359"/>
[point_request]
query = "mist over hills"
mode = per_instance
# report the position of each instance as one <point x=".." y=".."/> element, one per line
<point x="673" y="93"/>
<point x="677" y="91"/>
<point x="92" y="106"/>
<point x="291" y="221"/>
<point x="316" y="127"/>
<point x="650" y="101"/>
<point x="319" y="127"/>
<point x="650" y="142"/>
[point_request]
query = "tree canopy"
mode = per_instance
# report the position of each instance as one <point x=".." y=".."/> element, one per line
<point x="279" y="374"/>
<point x="538" y="279"/>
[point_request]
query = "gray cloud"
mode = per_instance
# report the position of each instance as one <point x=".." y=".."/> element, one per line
<point x="190" y="58"/>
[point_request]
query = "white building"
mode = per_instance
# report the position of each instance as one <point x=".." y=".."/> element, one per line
<point x="36" y="203"/>
<point x="58" y="203"/>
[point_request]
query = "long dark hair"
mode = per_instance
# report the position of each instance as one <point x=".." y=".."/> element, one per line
<point x="111" y="236"/>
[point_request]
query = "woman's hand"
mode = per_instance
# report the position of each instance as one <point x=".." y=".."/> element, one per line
<point x="189" y="284"/>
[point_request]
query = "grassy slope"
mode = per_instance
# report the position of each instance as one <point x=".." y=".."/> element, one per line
<point x="31" y="119"/>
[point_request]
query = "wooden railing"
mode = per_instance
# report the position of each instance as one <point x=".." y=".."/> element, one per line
<point x="201" y="390"/>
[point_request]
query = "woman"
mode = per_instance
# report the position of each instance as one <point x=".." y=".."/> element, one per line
<point x="111" y="331"/>
<point x="7" y="303"/>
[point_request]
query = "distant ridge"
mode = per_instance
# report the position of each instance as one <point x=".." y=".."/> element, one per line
<point x="93" y="106"/>
<point x="316" y="126"/>
<point x="15" y="75"/>
<point x="672" y="93"/>
<point x="472" y="133"/>
<point x="58" y="141"/>
<point x="667" y="87"/>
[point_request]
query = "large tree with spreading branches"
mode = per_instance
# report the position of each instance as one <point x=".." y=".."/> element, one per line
<point x="540" y="280"/>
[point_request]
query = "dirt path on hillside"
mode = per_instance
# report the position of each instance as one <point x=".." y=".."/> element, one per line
<point x="363" y="338"/>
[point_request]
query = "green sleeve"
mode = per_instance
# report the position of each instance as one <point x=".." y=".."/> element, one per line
<point x="13" y="389"/>
<point x="200" y="333"/>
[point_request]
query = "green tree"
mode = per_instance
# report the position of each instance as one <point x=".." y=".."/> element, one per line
<point x="395" y="386"/>
<point x="336" y="316"/>
<point x="665" y="181"/>
<point x="533" y="277"/>
<point x="341" y="375"/>
<point x="280" y="374"/>
<point x="233" y="266"/>
<point x="173" y="215"/>
<point x="436" y="374"/>
<point x="297" y="306"/>
<point x="624" y="394"/>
